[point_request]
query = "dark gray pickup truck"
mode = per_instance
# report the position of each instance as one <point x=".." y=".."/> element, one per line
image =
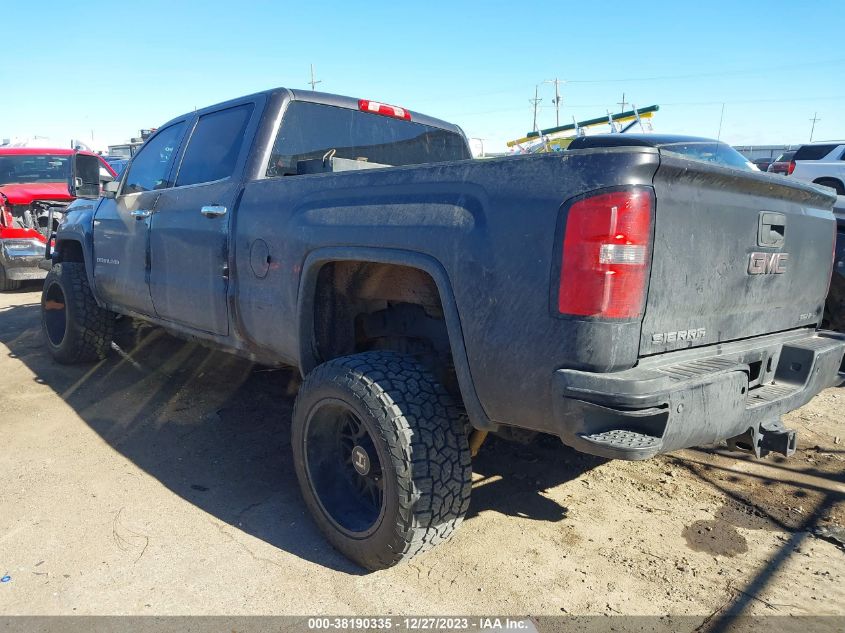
<point x="625" y="299"/>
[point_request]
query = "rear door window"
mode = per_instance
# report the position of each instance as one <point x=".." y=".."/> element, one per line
<point x="310" y="130"/>
<point x="215" y="145"/>
<point x="813" y="152"/>
<point x="151" y="166"/>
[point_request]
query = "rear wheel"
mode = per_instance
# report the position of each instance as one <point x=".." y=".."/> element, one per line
<point x="6" y="283"/>
<point x="381" y="455"/>
<point x="75" y="328"/>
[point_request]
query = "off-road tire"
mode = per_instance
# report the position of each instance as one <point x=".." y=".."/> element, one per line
<point x="7" y="284"/>
<point x="88" y="328"/>
<point x="420" y="434"/>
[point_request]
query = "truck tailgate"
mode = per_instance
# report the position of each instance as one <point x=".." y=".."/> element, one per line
<point x="735" y="255"/>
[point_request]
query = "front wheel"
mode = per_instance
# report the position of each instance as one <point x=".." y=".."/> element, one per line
<point x="6" y="283"/>
<point x="381" y="455"/>
<point x="75" y="328"/>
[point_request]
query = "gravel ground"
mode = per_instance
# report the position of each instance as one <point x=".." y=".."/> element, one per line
<point x="160" y="482"/>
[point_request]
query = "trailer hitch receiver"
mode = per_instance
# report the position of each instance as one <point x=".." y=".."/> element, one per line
<point x="769" y="437"/>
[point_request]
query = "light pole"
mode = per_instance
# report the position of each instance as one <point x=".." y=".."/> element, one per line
<point x="480" y="142"/>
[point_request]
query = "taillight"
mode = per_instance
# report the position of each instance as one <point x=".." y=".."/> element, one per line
<point x="384" y="109"/>
<point x="606" y="255"/>
<point x="791" y="168"/>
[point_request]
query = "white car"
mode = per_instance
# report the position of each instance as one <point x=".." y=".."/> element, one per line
<point x="822" y="163"/>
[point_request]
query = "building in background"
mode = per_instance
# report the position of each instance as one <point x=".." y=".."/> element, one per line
<point x="771" y="152"/>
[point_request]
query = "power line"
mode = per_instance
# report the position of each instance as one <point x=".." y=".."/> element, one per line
<point x="515" y="90"/>
<point x="673" y="103"/>
<point x="722" y="73"/>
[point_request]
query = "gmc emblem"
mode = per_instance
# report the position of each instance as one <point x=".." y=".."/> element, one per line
<point x="767" y="263"/>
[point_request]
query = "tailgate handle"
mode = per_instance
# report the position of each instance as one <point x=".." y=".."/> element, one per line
<point x="771" y="229"/>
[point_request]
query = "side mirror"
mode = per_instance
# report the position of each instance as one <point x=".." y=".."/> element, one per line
<point x="110" y="188"/>
<point x="84" y="179"/>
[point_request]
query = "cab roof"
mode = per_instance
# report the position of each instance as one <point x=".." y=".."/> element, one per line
<point x="56" y="151"/>
<point x="40" y="151"/>
<point x="323" y="98"/>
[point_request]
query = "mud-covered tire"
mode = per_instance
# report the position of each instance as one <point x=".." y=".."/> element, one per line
<point x="419" y="437"/>
<point x="7" y="284"/>
<point x="75" y="328"/>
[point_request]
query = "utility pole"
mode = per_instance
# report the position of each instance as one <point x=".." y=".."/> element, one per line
<point x="623" y="103"/>
<point x="813" y="128"/>
<point x="313" y="81"/>
<point x="557" y="83"/>
<point x="534" y="102"/>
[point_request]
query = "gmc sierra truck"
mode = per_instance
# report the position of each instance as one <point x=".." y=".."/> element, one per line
<point x="627" y="299"/>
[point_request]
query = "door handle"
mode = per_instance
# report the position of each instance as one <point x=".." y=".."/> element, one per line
<point x="213" y="210"/>
<point x="140" y="214"/>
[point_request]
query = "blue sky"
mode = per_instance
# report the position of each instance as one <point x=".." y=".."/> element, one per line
<point x="68" y="68"/>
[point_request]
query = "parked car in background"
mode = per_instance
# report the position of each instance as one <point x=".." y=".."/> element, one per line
<point x="781" y="164"/>
<point x="33" y="185"/>
<point x="762" y="163"/>
<point x="822" y="163"/>
<point x="118" y="163"/>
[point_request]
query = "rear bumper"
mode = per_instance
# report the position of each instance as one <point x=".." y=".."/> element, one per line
<point x="695" y="397"/>
<point x="22" y="264"/>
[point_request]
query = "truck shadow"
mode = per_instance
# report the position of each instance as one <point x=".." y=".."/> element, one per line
<point x="215" y="430"/>
<point x="512" y="478"/>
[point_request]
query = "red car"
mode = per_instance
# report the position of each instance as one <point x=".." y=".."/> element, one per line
<point x="783" y="164"/>
<point x="33" y="182"/>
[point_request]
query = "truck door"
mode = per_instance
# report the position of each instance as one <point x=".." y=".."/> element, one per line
<point x="189" y="236"/>
<point x="121" y="224"/>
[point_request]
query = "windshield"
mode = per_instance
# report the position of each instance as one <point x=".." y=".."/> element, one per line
<point x="785" y="157"/>
<point x="30" y="168"/>
<point x="710" y="152"/>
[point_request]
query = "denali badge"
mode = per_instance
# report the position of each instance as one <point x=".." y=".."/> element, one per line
<point x="680" y="335"/>
<point x="767" y="263"/>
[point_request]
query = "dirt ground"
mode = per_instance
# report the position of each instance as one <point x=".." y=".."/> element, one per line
<point x="160" y="481"/>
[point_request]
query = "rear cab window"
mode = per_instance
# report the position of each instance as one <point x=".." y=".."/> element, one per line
<point x="311" y="130"/>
